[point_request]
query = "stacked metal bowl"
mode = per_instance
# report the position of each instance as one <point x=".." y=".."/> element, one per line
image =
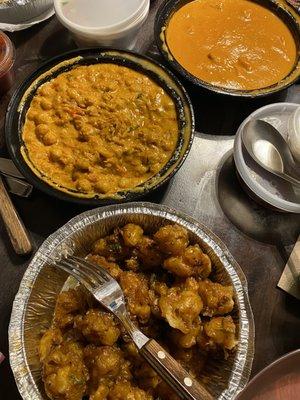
<point x="19" y="11"/>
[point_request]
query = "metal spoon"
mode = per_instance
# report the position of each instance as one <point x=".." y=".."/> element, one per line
<point x="268" y="148"/>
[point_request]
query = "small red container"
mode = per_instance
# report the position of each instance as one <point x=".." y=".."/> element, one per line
<point x="7" y="59"/>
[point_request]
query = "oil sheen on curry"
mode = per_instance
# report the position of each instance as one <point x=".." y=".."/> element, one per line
<point x="100" y="129"/>
<point x="237" y="44"/>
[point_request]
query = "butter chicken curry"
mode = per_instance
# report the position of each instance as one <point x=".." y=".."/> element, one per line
<point x="236" y="44"/>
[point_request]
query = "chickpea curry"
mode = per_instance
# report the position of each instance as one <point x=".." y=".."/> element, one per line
<point x="99" y="129"/>
<point x="237" y="44"/>
<point x="169" y="296"/>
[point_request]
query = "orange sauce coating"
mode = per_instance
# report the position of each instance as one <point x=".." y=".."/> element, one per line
<point x="236" y="44"/>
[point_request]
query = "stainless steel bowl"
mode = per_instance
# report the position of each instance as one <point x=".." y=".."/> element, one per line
<point x="34" y="304"/>
<point x="19" y="11"/>
<point x="262" y="186"/>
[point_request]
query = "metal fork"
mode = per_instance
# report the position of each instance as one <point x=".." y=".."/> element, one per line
<point x="108" y="292"/>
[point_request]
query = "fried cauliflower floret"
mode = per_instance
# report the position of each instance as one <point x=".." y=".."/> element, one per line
<point x="219" y="332"/>
<point x="98" y="327"/>
<point x="126" y="391"/>
<point x="103" y="363"/>
<point x="172" y="239"/>
<point x="165" y="392"/>
<point x="185" y="340"/>
<point x="192" y="262"/>
<point x="132" y="234"/>
<point x="189" y="284"/>
<point x="51" y="338"/>
<point x="157" y="289"/>
<point x="133" y="263"/>
<point x="146" y="377"/>
<point x="148" y="253"/>
<point x="87" y="354"/>
<point x="112" y="247"/>
<point x="217" y="299"/>
<point x="101" y="393"/>
<point x="181" y="308"/>
<point x="64" y="372"/>
<point x="111" y="267"/>
<point x="69" y="304"/>
<point x="136" y="291"/>
<point x="107" y="366"/>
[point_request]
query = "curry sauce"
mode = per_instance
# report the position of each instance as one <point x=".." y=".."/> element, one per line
<point x="100" y="129"/>
<point x="236" y="44"/>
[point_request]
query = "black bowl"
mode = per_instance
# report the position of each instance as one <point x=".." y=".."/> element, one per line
<point x="283" y="11"/>
<point x="21" y="100"/>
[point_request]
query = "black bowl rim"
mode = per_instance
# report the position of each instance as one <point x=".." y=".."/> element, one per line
<point x="12" y="111"/>
<point x="169" y="6"/>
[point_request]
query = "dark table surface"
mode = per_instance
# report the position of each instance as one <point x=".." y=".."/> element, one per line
<point x="277" y="315"/>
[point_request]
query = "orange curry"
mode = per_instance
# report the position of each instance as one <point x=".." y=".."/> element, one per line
<point x="236" y="44"/>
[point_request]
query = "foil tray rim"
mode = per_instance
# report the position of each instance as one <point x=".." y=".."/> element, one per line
<point x="245" y="352"/>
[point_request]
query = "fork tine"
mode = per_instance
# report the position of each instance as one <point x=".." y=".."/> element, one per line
<point x="75" y="275"/>
<point x="93" y="268"/>
<point x="81" y="271"/>
<point x="88" y="271"/>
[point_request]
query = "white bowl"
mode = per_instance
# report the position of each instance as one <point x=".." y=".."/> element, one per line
<point x="120" y="34"/>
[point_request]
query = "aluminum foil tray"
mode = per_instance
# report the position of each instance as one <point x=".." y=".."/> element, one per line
<point x="34" y="303"/>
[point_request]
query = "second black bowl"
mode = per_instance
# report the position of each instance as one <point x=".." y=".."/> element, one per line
<point x="285" y="12"/>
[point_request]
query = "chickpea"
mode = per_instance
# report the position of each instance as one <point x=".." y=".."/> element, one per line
<point x="43" y="118"/>
<point x="82" y="165"/>
<point x="46" y="104"/>
<point x="56" y="155"/>
<point x="41" y="130"/>
<point x="49" y="139"/>
<point x="102" y="187"/>
<point x="46" y="90"/>
<point x="83" y="185"/>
